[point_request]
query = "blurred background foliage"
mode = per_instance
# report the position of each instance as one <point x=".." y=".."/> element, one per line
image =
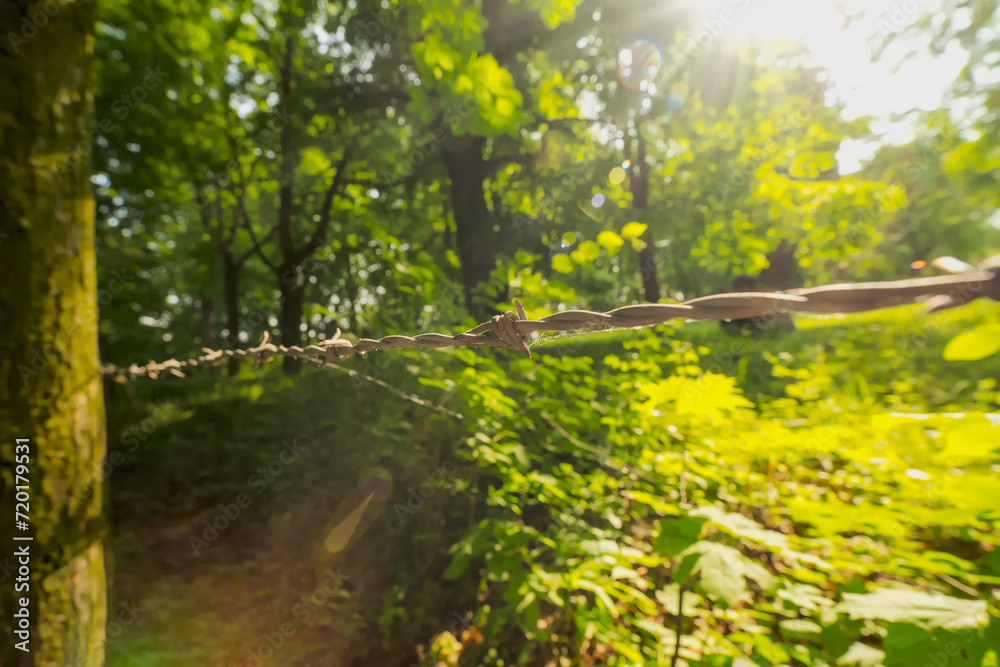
<point x="664" y="497"/>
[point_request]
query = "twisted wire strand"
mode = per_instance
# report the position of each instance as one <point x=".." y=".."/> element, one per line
<point x="511" y="330"/>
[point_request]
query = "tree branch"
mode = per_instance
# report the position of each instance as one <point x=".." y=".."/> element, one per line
<point x="206" y="218"/>
<point x="494" y="164"/>
<point x="220" y="213"/>
<point x="231" y="236"/>
<point x="359" y="96"/>
<point x="257" y="247"/>
<point x="326" y="210"/>
<point x="257" y="244"/>
<point x="556" y="122"/>
<point x="382" y="185"/>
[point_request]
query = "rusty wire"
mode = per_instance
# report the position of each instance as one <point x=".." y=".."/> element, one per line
<point x="512" y="331"/>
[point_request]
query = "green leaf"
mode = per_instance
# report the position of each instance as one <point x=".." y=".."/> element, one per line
<point x="459" y="564"/>
<point x="589" y="251"/>
<point x="610" y="242"/>
<point x="668" y="597"/>
<point x="839" y="634"/>
<point x="656" y="629"/>
<point x="862" y="655"/>
<point x="520" y="454"/>
<point x="740" y="526"/>
<point x="677" y="534"/>
<point x="928" y="561"/>
<point x="562" y="263"/>
<point x="800" y="625"/>
<point x="759" y="573"/>
<point x="721" y="570"/>
<point x="598" y="591"/>
<point x="906" y="644"/>
<point x="315" y="160"/>
<point x="554" y="12"/>
<point x="633" y="230"/>
<point x="900" y="605"/>
<point x="710" y="395"/>
<point x="684" y="568"/>
<point x="499" y="99"/>
<point x="974" y="438"/>
<point x="977" y="343"/>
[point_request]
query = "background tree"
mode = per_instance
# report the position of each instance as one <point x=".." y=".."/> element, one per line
<point x="950" y="167"/>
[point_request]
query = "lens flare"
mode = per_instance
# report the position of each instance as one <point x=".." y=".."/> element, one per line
<point x="586" y="206"/>
<point x="651" y="131"/>
<point x="375" y="482"/>
<point x="338" y="538"/>
<point x="639" y="64"/>
<point x="597" y="201"/>
<point x="675" y="99"/>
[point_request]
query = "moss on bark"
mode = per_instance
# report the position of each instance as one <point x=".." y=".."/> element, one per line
<point x="50" y="389"/>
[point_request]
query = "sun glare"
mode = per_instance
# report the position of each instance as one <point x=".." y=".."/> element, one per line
<point x="814" y="21"/>
<point x="816" y="24"/>
<point x="866" y="86"/>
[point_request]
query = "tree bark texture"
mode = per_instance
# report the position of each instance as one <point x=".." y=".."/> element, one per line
<point x="50" y="382"/>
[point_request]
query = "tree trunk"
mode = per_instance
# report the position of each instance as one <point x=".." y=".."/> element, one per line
<point x="50" y="384"/>
<point x="463" y="158"/>
<point x="639" y="183"/>
<point x="782" y="273"/>
<point x="207" y="320"/>
<point x="230" y="291"/>
<point x="290" y="319"/>
<point x="208" y="326"/>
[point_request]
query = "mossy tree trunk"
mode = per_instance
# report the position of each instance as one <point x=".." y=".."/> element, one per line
<point x="50" y="388"/>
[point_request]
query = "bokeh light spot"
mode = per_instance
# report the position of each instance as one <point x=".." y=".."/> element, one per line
<point x="651" y="131"/>
<point x="616" y="176"/>
<point x="675" y="98"/>
<point x="597" y="201"/>
<point x="639" y="64"/>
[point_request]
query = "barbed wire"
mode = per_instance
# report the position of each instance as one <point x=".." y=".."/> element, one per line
<point x="512" y="331"/>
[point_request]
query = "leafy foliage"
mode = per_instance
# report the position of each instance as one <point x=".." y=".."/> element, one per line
<point x="811" y="530"/>
<point x="627" y="498"/>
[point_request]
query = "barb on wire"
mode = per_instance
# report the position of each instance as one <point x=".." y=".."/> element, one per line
<point x="511" y="330"/>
